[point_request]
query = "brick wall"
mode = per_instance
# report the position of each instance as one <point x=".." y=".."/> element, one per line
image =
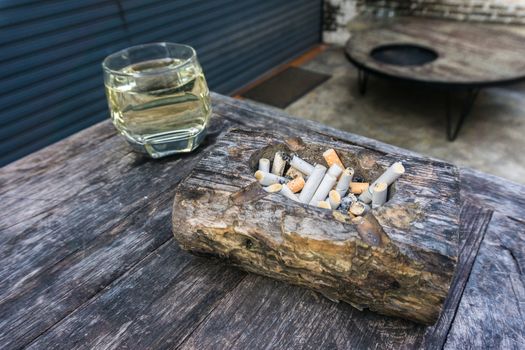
<point x="337" y="13"/>
<point x="501" y="11"/>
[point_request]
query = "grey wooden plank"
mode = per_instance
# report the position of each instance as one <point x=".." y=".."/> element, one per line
<point x="94" y="198"/>
<point x="48" y="252"/>
<point x="43" y="299"/>
<point x="491" y="314"/>
<point x="261" y="313"/>
<point x="493" y="192"/>
<point x="471" y="235"/>
<point x="155" y="305"/>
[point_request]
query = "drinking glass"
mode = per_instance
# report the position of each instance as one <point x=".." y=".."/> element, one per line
<point x="158" y="97"/>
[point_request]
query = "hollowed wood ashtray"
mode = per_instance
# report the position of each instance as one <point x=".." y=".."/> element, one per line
<point x="398" y="260"/>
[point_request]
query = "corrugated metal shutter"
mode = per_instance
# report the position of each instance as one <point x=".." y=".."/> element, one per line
<point x="51" y="53"/>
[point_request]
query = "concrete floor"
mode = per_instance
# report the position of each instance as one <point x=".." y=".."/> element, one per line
<point x="492" y="138"/>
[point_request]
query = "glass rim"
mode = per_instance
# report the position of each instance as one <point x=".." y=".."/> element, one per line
<point x="156" y="72"/>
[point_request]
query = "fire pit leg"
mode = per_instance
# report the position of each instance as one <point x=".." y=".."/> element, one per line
<point x="452" y="131"/>
<point x="362" y="79"/>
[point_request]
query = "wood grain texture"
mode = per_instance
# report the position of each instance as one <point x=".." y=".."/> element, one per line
<point x="98" y="210"/>
<point x="113" y="276"/>
<point x="400" y="264"/>
<point x="491" y="314"/>
<point x="468" y="53"/>
<point x="493" y="192"/>
<point x="155" y="304"/>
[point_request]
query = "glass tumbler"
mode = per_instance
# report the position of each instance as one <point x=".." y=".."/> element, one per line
<point x="158" y="97"/>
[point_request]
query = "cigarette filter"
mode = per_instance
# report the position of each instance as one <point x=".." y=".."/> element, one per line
<point x="358" y="187"/>
<point x="264" y="165"/>
<point x="285" y="191"/>
<point x="379" y="192"/>
<point x="344" y="181"/>
<point x="312" y="183"/>
<point x="331" y="157"/>
<point x="334" y="198"/>
<point x="335" y="170"/>
<point x="302" y="166"/>
<point x="296" y="184"/>
<point x="278" y="164"/>
<point x="267" y="179"/>
<point x="325" y="186"/>
<point x="324" y="205"/>
<point x="389" y="176"/>
<point x="273" y="188"/>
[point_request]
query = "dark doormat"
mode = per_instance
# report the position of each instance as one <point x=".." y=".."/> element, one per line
<point x="286" y="87"/>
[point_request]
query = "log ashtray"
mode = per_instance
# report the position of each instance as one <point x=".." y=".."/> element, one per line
<point x="398" y="260"/>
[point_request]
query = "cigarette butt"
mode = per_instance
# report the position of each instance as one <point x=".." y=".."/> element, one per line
<point x="335" y="170"/>
<point x="278" y="164"/>
<point x="310" y="186"/>
<point x="334" y="198"/>
<point x="293" y="173"/>
<point x="389" y="176"/>
<point x="324" y="205"/>
<point x="296" y="184"/>
<point x="331" y="158"/>
<point x="273" y="188"/>
<point x="285" y="191"/>
<point x="301" y="165"/>
<point x="267" y="179"/>
<point x="264" y="165"/>
<point x="344" y="181"/>
<point x="358" y="187"/>
<point x="357" y="209"/>
<point x="379" y="192"/>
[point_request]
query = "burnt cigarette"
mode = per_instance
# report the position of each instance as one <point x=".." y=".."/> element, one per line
<point x="389" y="176"/>
<point x="359" y="187"/>
<point x="267" y="179"/>
<point x="334" y="198"/>
<point x="379" y="194"/>
<point x="301" y="165"/>
<point x="344" y="181"/>
<point x="312" y="184"/>
<point x="273" y="188"/>
<point x="296" y="184"/>
<point x="331" y="158"/>
<point x="325" y="186"/>
<point x="335" y="170"/>
<point x="287" y="192"/>
<point x="346" y="202"/>
<point x="357" y="208"/>
<point x="278" y="164"/>
<point x="264" y="165"/>
<point x="324" y="205"/>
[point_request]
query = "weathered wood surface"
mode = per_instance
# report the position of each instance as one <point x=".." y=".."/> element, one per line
<point x="118" y="279"/>
<point x="468" y="53"/>
<point x="399" y="261"/>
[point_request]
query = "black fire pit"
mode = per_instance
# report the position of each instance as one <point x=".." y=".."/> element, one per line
<point x="450" y="55"/>
<point x="403" y="54"/>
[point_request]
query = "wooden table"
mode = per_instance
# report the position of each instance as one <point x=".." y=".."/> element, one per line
<point x="88" y="259"/>
<point x="470" y="56"/>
